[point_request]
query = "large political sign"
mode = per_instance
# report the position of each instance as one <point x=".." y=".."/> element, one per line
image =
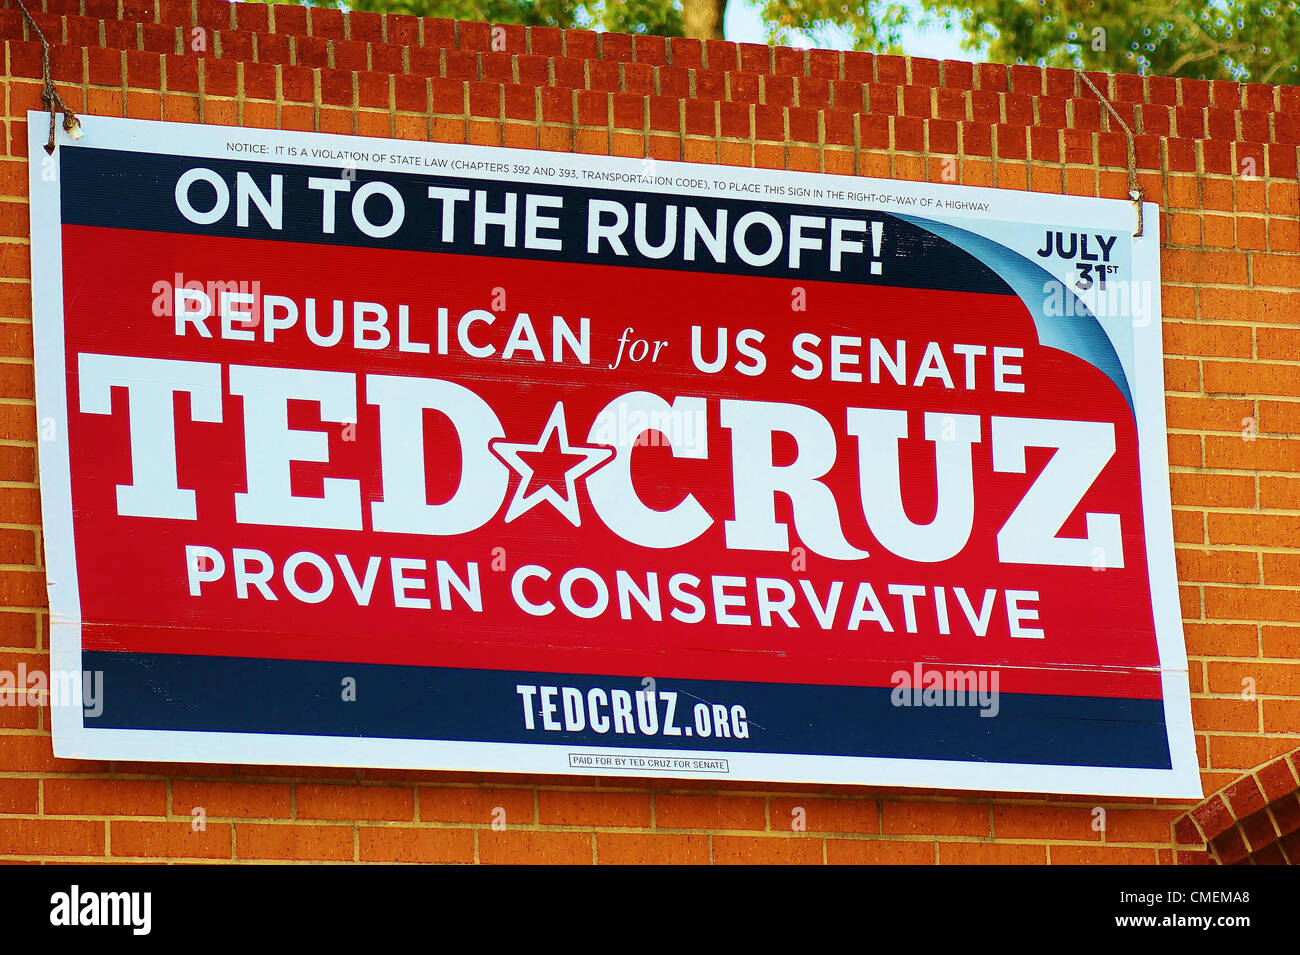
<point x="374" y="453"/>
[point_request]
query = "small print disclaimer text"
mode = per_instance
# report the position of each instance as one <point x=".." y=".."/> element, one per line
<point x="675" y="764"/>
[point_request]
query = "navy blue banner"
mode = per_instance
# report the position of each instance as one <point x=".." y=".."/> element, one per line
<point x="126" y="190"/>
<point x="313" y="698"/>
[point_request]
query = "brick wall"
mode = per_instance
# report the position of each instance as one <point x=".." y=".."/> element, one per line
<point x="1220" y="158"/>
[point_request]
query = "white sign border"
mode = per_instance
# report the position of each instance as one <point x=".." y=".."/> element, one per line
<point x="72" y="739"/>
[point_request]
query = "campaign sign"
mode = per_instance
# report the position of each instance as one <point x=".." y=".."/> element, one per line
<point x="362" y="452"/>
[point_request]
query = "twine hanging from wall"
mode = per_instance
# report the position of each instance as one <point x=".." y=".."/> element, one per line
<point x="1134" y="190"/>
<point x="49" y="95"/>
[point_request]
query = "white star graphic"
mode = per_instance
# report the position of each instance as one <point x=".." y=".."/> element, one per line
<point x="509" y="453"/>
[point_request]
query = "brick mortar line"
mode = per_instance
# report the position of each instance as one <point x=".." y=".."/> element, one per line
<point x="1241" y="509"/>
<point x="640" y="830"/>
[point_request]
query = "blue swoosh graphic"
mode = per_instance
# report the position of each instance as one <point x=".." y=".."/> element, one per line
<point x="1079" y="334"/>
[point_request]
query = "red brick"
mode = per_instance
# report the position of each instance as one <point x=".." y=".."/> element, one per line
<point x="1277" y="780"/>
<point x="650" y="49"/>
<point x="1045" y="144"/>
<point x="1012" y="142"/>
<point x="837" y="129"/>
<point x="20" y="795"/>
<point x="351" y="55"/>
<point x="629" y="112"/>
<point x="767" y="850"/>
<point x="233" y="800"/>
<point x="754" y="58"/>
<point x="484" y="99"/>
<point x="252" y="16"/>
<point x="744" y="87"/>
<point x="520" y="102"/>
<point x="290" y="19"/>
<point x="579" y="43"/>
<point x="1102" y="855"/>
<point x="689" y="53"/>
<point x="927" y="818"/>
<point x="873" y="131"/>
<point x="802" y="125"/>
<point x="312" y="52"/>
<point x="17" y="547"/>
<point x="600" y="808"/>
<point x="604" y="77"/>
<point x="274" y="49"/>
<point x="709" y="812"/>
<point x="557" y="105"/>
<point x="182" y="73"/>
<point x="990" y="853"/>
<point x="176" y="840"/>
<point x="909" y="134"/>
<point x="1282" y="161"/>
<point x="104" y="67"/>
<point x="891" y="69"/>
<point x="618" y="848"/>
<point x="941" y="136"/>
<point x="1186" y="833"/>
<point x="533" y="70"/>
<point x="813" y="93"/>
<point x="917" y="100"/>
<point x="879" y="852"/>
<point x="1285" y="812"/>
<point x="105" y="797"/>
<point x="860" y="67"/>
<point x="143" y="70"/>
<point x="735" y="120"/>
<point x="404" y="844"/>
<point x="514" y="807"/>
<point x="336" y="87"/>
<point x="1230" y="847"/>
<point x="448" y="96"/>
<point x="355" y="802"/>
<point x="1212" y="817"/>
<point x="778" y="90"/>
<point x="521" y="847"/>
<point x="215" y="14"/>
<point x="51" y="837"/>
<point x="849" y="95"/>
<point x="293" y="841"/>
<point x="858" y="816"/>
<point x="824" y="64"/>
<point x="1061" y="823"/>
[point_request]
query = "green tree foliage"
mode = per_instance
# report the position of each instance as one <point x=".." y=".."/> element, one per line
<point x="1255" y="40"/>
